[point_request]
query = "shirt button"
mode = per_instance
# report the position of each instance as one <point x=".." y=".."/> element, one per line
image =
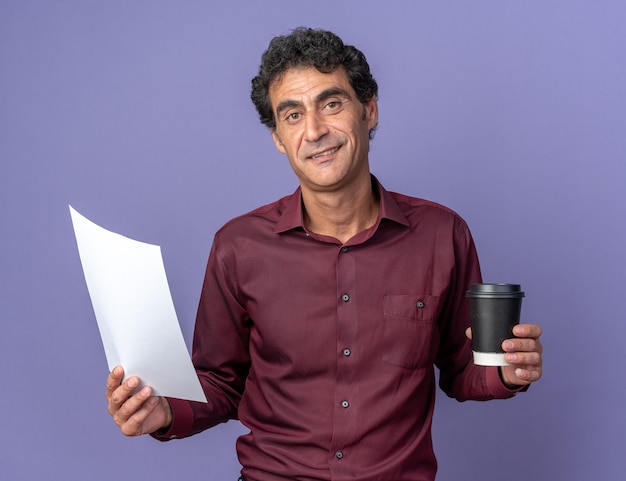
<point x="345" y="298"/>
<point x="345" y="404"/>
<point x="346" y="352"/>
<point x="339" y="455"/>
<point x="344" y="249"/>
<point x="420" y="304"/>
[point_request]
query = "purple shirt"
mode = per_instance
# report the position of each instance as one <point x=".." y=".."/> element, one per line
<point x="325" y="351"/>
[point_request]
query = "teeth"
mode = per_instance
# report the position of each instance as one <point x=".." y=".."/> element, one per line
<point x="327" y="152"/>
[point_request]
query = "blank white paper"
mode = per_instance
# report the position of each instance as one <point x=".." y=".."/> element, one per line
<point x="133" y="306"/>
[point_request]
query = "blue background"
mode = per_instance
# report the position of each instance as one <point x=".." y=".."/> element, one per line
<point x="138" y="114"/>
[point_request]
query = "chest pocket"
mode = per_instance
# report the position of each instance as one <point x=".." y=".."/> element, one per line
<point x="410" y="334"/>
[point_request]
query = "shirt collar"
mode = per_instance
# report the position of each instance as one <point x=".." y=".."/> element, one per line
<point x="292" y="215"/>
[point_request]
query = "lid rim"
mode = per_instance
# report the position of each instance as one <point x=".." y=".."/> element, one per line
<point x="495" y="290"/>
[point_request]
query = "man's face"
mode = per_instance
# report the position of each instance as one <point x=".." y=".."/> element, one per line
<point x="322" y="127"/>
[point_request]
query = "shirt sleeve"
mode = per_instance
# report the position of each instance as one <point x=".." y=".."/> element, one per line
<point x="459" y="377"/>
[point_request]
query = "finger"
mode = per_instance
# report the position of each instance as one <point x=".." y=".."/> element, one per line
<point x="527" y="375"/>
<point x="527" y="330"/>
<point x="523" y="359"/>
<point x="122" y="394"/>
<point x="522" y="345"/>
<point x="114" y="380"/>
<point x="517" y="375"/>
<point x="133" y="424"/>
<point x="468" y="333"/>
<point x="132" y="405"/>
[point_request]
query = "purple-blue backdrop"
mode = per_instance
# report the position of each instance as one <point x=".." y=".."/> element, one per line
<point x="137" y="113"/>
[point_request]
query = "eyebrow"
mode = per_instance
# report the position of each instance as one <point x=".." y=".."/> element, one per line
<point x="287" y="104"/>
<point x="331" y="92"/>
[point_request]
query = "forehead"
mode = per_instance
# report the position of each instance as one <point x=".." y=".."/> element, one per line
<point x="300" y="84"/>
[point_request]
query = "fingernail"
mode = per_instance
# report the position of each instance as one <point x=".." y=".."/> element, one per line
<point x="145" y="391"/>
<point x="509" y="345"/>
<point x="519" y="373"/>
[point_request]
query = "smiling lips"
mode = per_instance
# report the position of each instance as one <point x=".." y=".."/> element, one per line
<point x="324" y="153"/>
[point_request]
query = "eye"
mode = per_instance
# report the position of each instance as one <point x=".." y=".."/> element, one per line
<point x="293" y="116"/>
<point x="333" y="107"/>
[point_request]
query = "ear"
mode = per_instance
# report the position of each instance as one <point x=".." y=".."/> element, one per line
<point x="278" y="142"/>
<point x="371" y="113"/>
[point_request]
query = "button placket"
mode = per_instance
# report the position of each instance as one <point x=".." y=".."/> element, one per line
<point x="347" y="335"/>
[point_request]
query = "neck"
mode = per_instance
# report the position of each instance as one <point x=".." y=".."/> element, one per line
<point x="341" y="214"/>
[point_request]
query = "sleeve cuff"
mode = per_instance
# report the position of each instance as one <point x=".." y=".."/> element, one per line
<point x="182" y="421"/>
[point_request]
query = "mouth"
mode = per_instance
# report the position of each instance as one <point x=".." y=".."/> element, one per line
<point x="324" y="153"/>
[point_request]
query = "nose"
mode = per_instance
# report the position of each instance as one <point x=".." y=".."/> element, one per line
<point x="314" y="127"/>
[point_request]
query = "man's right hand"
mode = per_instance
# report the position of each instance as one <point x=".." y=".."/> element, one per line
<point x="139" y="413"/>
